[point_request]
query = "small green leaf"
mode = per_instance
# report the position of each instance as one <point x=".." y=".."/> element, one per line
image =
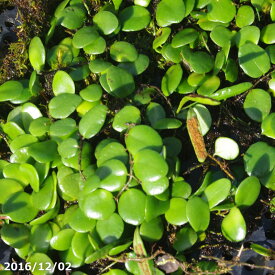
<point x="247" y="192"/>
<point x="131" y="206"/>
<point x="91" y="93"/>
<point x="134" y="18"/>
<point x="63" y="83"/>
<point x="170" y="12"/>
<point x="185" y="239"/>
<point x="198" y="214"/>
<point x="221" y="11"/>
<point x="184" y="37"/>
<point x="44" y="151"/>
<point x="234" y="226"/>
<point x="257" y="104"/>
<point x="37" y="54"/>
<point x="152" y="231"/>
<point x="262" y="250"/>
<point x="106" y="22"/>
<point x="268" y="128"/>
<point x="122" y="51"/>
<point x="176" y="213"/>
<point x="9" y="187"/>
<point x="138" y="66"/>
<point x="268" y="34"/>
<point x="245" y="16"/>
<point x="92" y="122"/>
<point x="10" y="90"/>
<point x="84" y="36"/>
<point x="62" y="240"/>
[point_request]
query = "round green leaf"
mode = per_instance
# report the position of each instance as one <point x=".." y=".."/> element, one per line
<point x="170" y="12"/>
<point x="268" y="34"/>
<point x="9" y="187"/>
<point x="176" y="213"/>
<point x="19" y="208"/>
<point x="185" y="239"/>
<point x="155" y="187"/>
<point x="44" y="151"/>
<point x="40" y="237"/>
<point x="111" y="229"/>
<point x="98" y="204"/>
<point x="69" y="186"/>
<point x="80" y="72"/>
<point x="62" y="240"/>
<point x="138" y="66"/>
<point x="184" y="37"/>
<point x="22" y="141"/>
<point x="201" y="62"/>
<point x="63" y="105"/>
<point x="62" y="129"/>
<point x="119" y="82"/>
<point x="15" y="235"/>
<point x="247" y="192"/>
<point x="171" y="79"/>
<point x="45" y="266"/>
<point x="143" y="137"/>
<point x="98" y="46"/>
<point x="217" y="192"/>
<point x="122" y="51"/>
<point x="155" y="112"/>
<point x="99" y="66"/>
<point x="134" y="18"/>
<point x="259" y="159"/>
<point x="68" y="148"/>
<point x="81" y="245"/>
<point x="221" y="36"/>
<point x="247" y="34"/>
<point x="149" y="165"/>
<point x="181" y="189"/>
<point x="10" y="90"/>
<point x="131" y="206"/>
<point x="12" y="129"/>
<point x="245" y="16"/>
<point x="72" y="17"/>
<point x="106" y="22"/>
<point x="91" y="93"/>
<point x="253" y="60"/>
<point x="37" y="54"/>
<point x="226" y="148"/>
<point x="92" y="122"/>
<point x="125" y="118"/>
<point x="198" y="214"/>
<point x="221" y="11"/>
<point x="112" y="174"/>
<point x="80" y="222"/>
<point x="152" y="231"/>
<point x="233" y="226"/>
<point x="63" y="83"/>
<point x="30" y="174"/>
<point x="257" y="104"/>
<point x="268" y="128"/>
<point x="40" y="126"/>
<point x="84" y="36"/>
<point x="171" y="54"/>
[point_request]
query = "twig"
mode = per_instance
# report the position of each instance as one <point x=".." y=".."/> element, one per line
<point x="222" y="167"/>
<point x="231" y="264"/>
<point x="4" y="137"/>
<point x="193" y="168"/>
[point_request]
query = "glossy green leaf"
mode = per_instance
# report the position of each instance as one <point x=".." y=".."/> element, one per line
<point x="185" y="239"/>
<point x="161" y="37"/>
<point x="155" y="187"/>
<point x="204" y="118"/>
<point x="40" y="126"/>
<point x="221" y="11"/>
<point x="106" y="22"/>
<point x="155" y="207"/>
<point x="170" y="12"/>
<point x="268" y="34"/>
<point x="131" y="206"/>
<point x="99" y="66"/>
<point x="122" y="51"/>
<point x="198" y="214"/>
<point x="19" y="208"/>
<point x="245" y="16"/>
<point x="63" y="105"/>
<point x="63" y="83"/>
<point x="62" y="129"/>
<point x="12" y="129"/>
<point x="257" y="104"/>
<point x="234" y="226"/>
<point x="209" y="85"/>
<point x="37" y="54"/>
<point x="181" y="189"/>
<point x="138" y="66"/>
<point x="9" y="187"/>
<point x="226" y="148"/>
<point x="92" y="122"/>
<point x="59" y="56"/>
<point x="167" y="123"/>
<point x="98" y="46"/>
<point x="171" y="79"/>
<point x="134" y="18"/>
<point x="171" y="54"/>
<point x="217" y="192"/>
<point x="268" y="128"/>
<point x="44" y="151"/>
<point x="201" y="62"/>
<point x="221" y="36"/>
<point x="98" y="204"/>
<point x="110" y="229"/>
<point x="81" y="245"/>
<point x="91" y="93"/>
<point x="15" y="235"/>
<point x="259" y="159"/>
<point x="143" y="137"/>
<point x="40" y="237"/>
<point x="176" y="213"/>
<point x="30" y="174"/>
<point x="10" y="90"/>
<point x="45" y="266"/>
<point x="247" y="34"/>
<point x="253" y="60"/>
<point x="62" y="240"/>
<point x="152" y="231"/>
<point x="184" y="37"/>
<point x="262" y="250"/>
<point x="247" y="192"/>
<point x="125" y="118"/>
<point x="155" y="112"/>
<point x="84" y="36"/>
<point x="22" y="141"/>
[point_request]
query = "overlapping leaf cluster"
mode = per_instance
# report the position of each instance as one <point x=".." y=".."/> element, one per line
<point x="67" y="187"/>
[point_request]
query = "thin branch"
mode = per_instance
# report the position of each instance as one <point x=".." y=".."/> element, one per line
<point x="222" y="167"/>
